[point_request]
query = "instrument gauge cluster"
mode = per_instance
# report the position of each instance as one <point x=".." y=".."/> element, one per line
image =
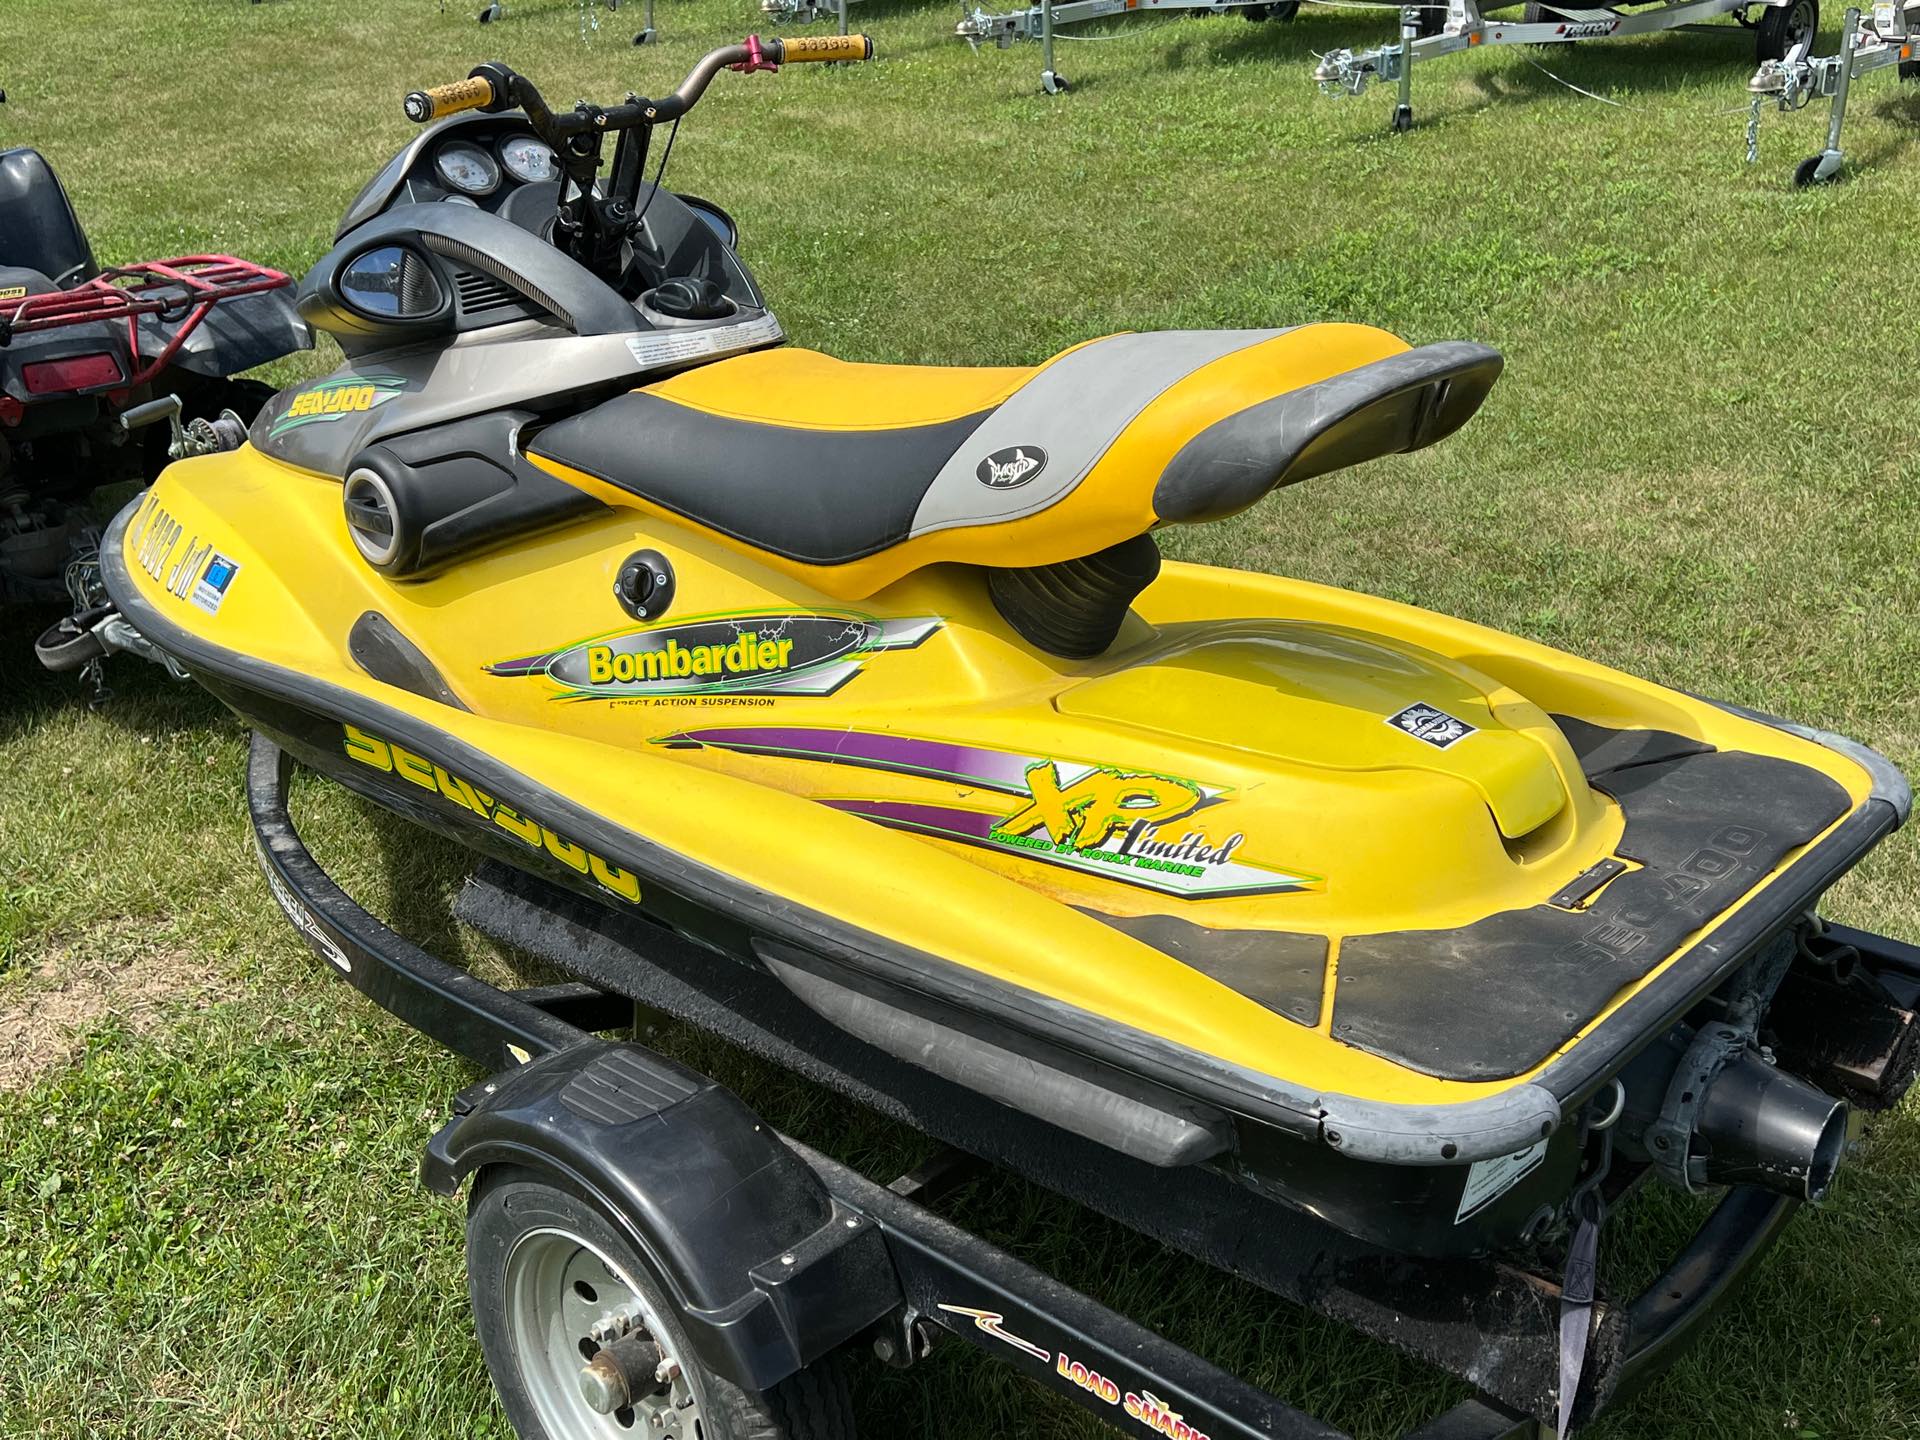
<point x="529" y="160"/>
<point x="466" y="168"/>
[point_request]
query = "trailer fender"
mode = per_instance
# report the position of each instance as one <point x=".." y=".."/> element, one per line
<point x="769" y="1272"/>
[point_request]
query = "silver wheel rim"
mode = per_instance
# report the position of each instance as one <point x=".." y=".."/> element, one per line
<point x="558" y="1287"/>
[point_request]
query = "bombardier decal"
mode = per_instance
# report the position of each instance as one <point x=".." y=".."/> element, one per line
<point x="748" y="653"/>
<point x="1132" y="827"/>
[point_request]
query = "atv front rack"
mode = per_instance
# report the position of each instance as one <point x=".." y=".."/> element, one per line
<point x="888" y="1273"/>
<point x="184" y="290"/>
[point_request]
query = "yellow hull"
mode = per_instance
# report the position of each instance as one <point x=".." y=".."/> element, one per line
<point x="1264" y="696"/>
<point x="1277" y="863"/>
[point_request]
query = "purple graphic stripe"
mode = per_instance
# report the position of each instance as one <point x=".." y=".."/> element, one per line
<point x="994" y="769"/>
<point x="946" y="819"/>
<point x="532" y="665"/>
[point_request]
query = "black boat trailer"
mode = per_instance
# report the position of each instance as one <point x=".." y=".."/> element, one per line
<point x="838" y="1260"/>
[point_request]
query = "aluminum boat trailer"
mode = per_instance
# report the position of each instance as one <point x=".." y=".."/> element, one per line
<point x="828" y="1262"/>
<point x="1889" y="36"/>
<point x="800" y="12"/>
<point x="497" y="10"/>
<point x="1040" y="21"/>
<point x="1430" y="31"/>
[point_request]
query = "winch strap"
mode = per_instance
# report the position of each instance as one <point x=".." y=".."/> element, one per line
<point x="1576" y="1304"/>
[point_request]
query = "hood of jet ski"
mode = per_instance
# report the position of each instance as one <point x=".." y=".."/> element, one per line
<point x="1277" y="855"/>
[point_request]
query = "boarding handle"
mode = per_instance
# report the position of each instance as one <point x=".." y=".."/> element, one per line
<point x="477" y="92"/>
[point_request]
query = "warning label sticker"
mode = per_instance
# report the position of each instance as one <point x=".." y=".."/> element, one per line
<point x="1488" y="1180"/>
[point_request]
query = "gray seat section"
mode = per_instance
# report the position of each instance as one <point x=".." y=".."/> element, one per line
<point x="1073" y="411"/>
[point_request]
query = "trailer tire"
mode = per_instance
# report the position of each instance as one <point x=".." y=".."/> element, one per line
<point x="1781" y="26"/>
<point x="527" y="1230"/>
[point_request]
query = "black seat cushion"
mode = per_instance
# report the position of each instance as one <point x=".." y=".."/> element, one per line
<point x="821" y="497"/>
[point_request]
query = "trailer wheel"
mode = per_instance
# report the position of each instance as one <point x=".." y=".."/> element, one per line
<point x="1784" y="26"/>
<point x="554" y="1285"/>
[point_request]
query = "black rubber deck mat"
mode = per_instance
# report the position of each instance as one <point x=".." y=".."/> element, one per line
<point x="1278" y="969"/>
<point x="1495" y="998"/>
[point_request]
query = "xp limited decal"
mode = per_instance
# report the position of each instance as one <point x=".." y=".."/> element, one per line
<point x="772" y="653"/>
<point x="1134" y="827"/>
<point x="333" y="399"/>
<point x="1138" y="1403"/>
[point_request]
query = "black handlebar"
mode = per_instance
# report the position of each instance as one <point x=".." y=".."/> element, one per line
<point x="596" y="220"/>
<point x="493" y="87"/>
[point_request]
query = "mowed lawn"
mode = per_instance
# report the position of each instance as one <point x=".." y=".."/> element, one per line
<point x="1702" y="465"/>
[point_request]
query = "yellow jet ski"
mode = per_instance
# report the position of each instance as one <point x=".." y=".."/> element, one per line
<point x="871" y="680"/>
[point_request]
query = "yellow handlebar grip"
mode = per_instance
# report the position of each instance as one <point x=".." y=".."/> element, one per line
<point x="802" y="48"/>
<point x="443" y="100"/>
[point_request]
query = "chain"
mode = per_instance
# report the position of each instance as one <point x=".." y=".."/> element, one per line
<point x="1753" y="131"/>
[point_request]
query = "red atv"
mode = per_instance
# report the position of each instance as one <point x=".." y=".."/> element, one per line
<point x="90" y="359"/>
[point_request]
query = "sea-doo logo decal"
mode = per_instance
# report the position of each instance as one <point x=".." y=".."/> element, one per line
<point x="211" y="588"/>
<point x="991" y="1322"/>
<point x="1435" y="726"/>
<point x="1131" y="827"/>
<point x="13" y="292"/>
<point x="331" y="399"/>
<point x="774" y="653"/>
<point x="1015" y="465"/>
<point x="389" y="758"/>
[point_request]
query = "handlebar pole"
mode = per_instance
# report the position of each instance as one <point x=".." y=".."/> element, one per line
<point x="493" y="87"/>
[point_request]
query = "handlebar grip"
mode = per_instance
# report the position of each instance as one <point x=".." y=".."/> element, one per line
<point x="442" y="100"/>
<point x="799" y="49"/>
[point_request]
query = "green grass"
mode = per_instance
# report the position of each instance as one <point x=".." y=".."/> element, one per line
<point x="1702" y="466"/>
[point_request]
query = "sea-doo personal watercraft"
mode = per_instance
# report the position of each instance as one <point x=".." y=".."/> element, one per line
<point x="870" y="680"/>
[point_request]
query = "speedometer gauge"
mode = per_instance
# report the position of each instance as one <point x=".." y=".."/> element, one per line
<point x="467" y="168"/>
<point x="528" y="159"/>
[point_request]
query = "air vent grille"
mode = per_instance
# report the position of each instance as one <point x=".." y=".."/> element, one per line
<point x="371" y="520"/>
<point x="481" y="292"/>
